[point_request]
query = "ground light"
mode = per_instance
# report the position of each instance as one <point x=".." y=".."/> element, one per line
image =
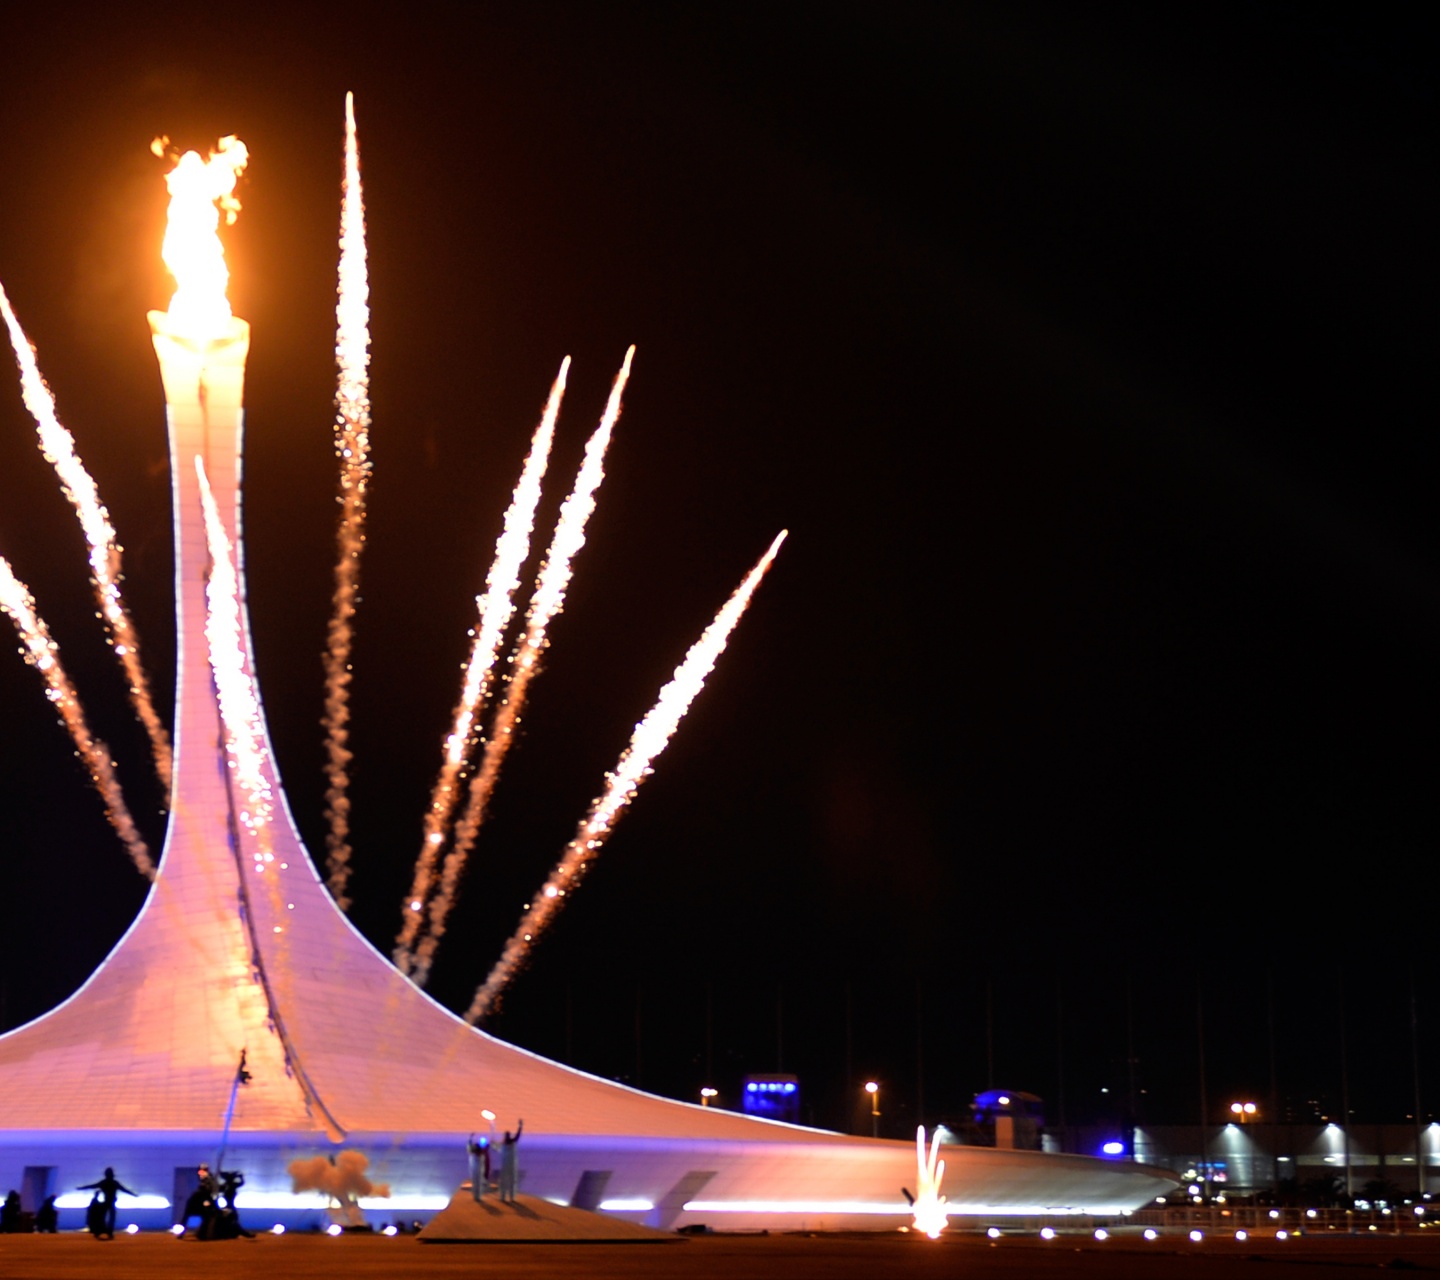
<point x="1197" y="1236"/>
<point x="1047" y="1233"/>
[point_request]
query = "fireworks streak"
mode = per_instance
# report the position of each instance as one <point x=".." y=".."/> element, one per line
<point x="235" y="690"/>
<point x="41" y="652"/>
<point x="548" y="600"/>
<point x="352" y="444"/>
<point x="930" y="1211"/>
<point x="496" y="608"/>
<point x="58" y="446"/>
<point x="649" y="739"/>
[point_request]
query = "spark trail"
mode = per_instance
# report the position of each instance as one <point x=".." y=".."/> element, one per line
<point x="235" y="690"/>
<point x="58" y="446"/>
<point x="548" y="600"/>
<point x="496" y="608"/>
<point x="41" y="652"/>
<point x="646" y="743"/>
<point x="930" y="1210"/>
<point x="243" y="726"/>
<point x="352" y="445"/>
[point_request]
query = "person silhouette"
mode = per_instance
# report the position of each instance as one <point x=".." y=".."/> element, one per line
<point x="47" y="1218"/>
<point x="103" y="1225"/>
<point x="510" y="1163"/>
<point x="479" y="1152"/>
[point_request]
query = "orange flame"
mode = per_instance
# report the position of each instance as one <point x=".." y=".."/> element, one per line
<point x="200" y="191"/>
<point x="648" y="741"/>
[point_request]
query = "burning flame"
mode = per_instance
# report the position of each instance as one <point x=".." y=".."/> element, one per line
<point x="352" y="443"/>
<point x="200" y="191"/>
<point x="648" y="741"/>
<point x="496" y="608"/>
<point x="41" y="652"/>
<point x="930" y="1211"/>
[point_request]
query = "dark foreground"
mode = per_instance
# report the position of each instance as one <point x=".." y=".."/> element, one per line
<point x="861" y="1257"/>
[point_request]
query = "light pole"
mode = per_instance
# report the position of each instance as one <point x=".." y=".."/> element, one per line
<point x="873" y="1090"/>
<point x="706" y="1094"/>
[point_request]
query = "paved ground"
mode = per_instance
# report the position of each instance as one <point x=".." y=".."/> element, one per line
<point x="857" y="1257"/>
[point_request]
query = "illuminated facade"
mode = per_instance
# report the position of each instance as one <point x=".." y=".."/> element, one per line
<point x="239" y="948"/>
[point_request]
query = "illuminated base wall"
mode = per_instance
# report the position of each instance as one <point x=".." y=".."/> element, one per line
<point x="667" y="1183"/>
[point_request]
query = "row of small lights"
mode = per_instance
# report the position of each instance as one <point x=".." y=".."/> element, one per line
<point x="334" y="1229"/>
<point x="1100" y="1233"/>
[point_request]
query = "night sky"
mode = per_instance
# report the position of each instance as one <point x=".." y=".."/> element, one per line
<point x="1084" y="351"/>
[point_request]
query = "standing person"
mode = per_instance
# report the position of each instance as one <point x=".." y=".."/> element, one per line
<point x="510" y="1163"/>
<point x="479" y="1166"/>
<point x="105" y="1192"/>
<point x="200" y="1207"/>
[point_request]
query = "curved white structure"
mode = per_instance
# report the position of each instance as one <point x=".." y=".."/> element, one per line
<point x="135" y="1070"/>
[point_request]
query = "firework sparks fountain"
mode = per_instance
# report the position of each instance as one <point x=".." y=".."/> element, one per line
<point x="648" y="741"/>
<point x="495" y="607"/>
<point x="352" y="443"/>
<point x="41" y="653"/>
<point x="58" y="446"/>
<point x="930" y="1211"/>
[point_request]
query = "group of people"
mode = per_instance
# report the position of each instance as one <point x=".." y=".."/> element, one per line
<point x="100" y="1216"/>
<point x="14" y="1219"/>
<point x="210" y="1210"/>
<point x="482" y="1164"/>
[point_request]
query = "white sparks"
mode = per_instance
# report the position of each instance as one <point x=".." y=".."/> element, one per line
<point x="41" y="652"/>
<point x="548" y="600"/>
<point x="496" y="607"/>
<point x="352" y="446"/>
<point x="58" y="446"/>
<point x="649" y="739"/>
<point x="235" y="689"/>
<point x="930" y="1210"/>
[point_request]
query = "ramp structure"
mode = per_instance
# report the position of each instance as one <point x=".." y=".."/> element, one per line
<point x="235" y="954"/>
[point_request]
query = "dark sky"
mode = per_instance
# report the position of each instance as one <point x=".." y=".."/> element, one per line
<point x="1084" y="350"/>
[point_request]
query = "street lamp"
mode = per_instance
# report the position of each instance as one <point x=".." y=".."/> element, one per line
<point x="706" y="1094"/>
<point x="873" y="1090"/>
<point x="1243" y="1111"/>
